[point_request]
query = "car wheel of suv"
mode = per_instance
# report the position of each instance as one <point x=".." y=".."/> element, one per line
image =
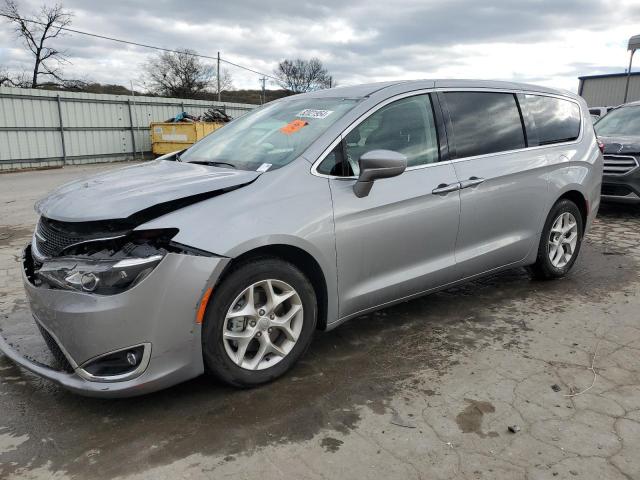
<point x="259" y="322"/>
<point x="560" y="241"/>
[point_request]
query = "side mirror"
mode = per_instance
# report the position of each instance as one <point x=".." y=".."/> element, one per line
<point x="375" y="165"/>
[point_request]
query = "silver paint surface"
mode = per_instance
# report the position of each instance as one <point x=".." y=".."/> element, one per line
<point x="121" y="193"/>
<point x="398" y="242"/>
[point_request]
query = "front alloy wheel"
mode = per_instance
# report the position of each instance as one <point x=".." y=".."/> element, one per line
<point x="259" y="321"/>
<point x="263" y="324"/>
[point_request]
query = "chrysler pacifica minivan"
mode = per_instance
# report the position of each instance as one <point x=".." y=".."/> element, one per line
<point x="311" y="210"/>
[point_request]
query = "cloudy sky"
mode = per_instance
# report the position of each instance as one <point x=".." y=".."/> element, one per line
<point x="549" y="42"/>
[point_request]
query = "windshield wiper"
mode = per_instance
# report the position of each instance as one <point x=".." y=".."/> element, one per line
<point x="213" y="163"/>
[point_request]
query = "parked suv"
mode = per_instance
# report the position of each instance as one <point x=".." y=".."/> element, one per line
<point x="298" y="216"/>
<point x="619" y="131"/>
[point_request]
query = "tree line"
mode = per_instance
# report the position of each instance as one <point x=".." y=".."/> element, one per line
<point x="177" y="74"/>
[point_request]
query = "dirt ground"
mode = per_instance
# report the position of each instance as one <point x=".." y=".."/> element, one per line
<point x="426" y="389"/>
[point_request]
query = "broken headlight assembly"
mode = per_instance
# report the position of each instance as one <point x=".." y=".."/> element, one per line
<point x="105" y="268"/>
<point x="97" y="276"/>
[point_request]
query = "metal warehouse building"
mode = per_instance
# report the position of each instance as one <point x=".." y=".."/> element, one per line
<point x="608" y="90"/>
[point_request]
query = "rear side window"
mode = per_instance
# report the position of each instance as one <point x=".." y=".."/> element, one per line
<point x="484" y="122"/>
<point x="556" y="120"/>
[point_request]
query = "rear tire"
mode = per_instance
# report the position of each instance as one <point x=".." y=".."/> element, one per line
<point x="560" y="241"/>
<point x="247" y="336"/>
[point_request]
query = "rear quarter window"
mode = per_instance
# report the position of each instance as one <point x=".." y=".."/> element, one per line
<point x="556" y="120"/>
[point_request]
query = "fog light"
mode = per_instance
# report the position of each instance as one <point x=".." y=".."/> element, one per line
<point x="132" y="359"/>
<point x="116" y="363"/>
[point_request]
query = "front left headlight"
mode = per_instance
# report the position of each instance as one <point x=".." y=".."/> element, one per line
<point x="105" y="277"/>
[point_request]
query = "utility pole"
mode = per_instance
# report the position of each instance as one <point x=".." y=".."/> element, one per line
<point x="263" y="98"/>
<point x="218" y="76"/>
<point x="634" y="44"/>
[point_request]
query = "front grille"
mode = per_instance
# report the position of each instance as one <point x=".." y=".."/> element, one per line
<point x="619" y="164"/>
<point x="51" y="242"/>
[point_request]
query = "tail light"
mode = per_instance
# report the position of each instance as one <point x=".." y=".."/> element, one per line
<point x="600" y="145"/>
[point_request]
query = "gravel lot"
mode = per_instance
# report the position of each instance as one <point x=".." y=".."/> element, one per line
<point x="426" y="389"/>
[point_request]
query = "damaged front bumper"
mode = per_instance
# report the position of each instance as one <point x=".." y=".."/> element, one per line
<point x="158" y="316"/>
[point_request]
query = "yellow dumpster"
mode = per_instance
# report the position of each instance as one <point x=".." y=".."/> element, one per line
<point x="170" y="137"/>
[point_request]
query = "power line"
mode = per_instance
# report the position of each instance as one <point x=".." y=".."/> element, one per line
<point x="144" y="45"/>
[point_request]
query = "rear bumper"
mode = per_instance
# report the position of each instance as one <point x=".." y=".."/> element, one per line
<point x="159" y="313"/>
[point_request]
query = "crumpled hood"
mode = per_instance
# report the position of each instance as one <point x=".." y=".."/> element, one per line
<point x="621" y="145"/>
<point x="121" y="193"/>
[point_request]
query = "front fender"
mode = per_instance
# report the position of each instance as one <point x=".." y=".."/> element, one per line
<point x="288" y="206"/>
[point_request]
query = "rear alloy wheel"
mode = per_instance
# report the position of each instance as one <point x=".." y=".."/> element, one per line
<point x="259" y="322"/>
<point x="563" y="239"/>
<point x="560" y="241"/>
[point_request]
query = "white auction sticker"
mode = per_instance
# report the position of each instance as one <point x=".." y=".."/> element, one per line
<point x="264" y="167"/>
<point x="311" y="113"/>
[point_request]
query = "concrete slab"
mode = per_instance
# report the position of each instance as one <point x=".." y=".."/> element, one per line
<point x="425" y="389"/>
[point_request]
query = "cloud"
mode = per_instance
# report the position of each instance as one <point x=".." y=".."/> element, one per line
<point x="537" y="41"/>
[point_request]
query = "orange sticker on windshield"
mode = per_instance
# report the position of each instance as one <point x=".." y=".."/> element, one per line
<point x="293" y="127"/>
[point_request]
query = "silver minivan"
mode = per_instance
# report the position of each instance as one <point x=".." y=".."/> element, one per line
<point x="311" y="210"/>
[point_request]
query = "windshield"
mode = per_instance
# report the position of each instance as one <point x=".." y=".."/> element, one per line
<point x="269" y="137"/>
<point x="621" y="121"/>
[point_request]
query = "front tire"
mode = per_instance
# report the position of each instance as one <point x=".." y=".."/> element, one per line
<point x="560" y="241"/>
<point x="259" y="322"/>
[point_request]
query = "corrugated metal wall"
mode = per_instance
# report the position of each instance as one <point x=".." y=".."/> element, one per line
<point x="45" y="128"/>
<point x="609" y="91"/>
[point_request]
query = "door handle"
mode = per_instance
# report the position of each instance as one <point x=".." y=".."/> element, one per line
<point x="444" y="188"/>
<point x="472" y="182"/>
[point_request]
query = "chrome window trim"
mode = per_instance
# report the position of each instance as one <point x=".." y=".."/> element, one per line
<point x="400" y="96"/>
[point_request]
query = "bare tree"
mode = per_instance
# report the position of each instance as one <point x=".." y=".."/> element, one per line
<point x="299" y="76"/>
<point x="226" y="82"/>
<point x="70" y="85"/>
<point x="182" y="75"/>
<point x="6" y="78"/>
<point x="37" y="37"/>
<point x="14" y="79"/>
<point x="10" y="79"/>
